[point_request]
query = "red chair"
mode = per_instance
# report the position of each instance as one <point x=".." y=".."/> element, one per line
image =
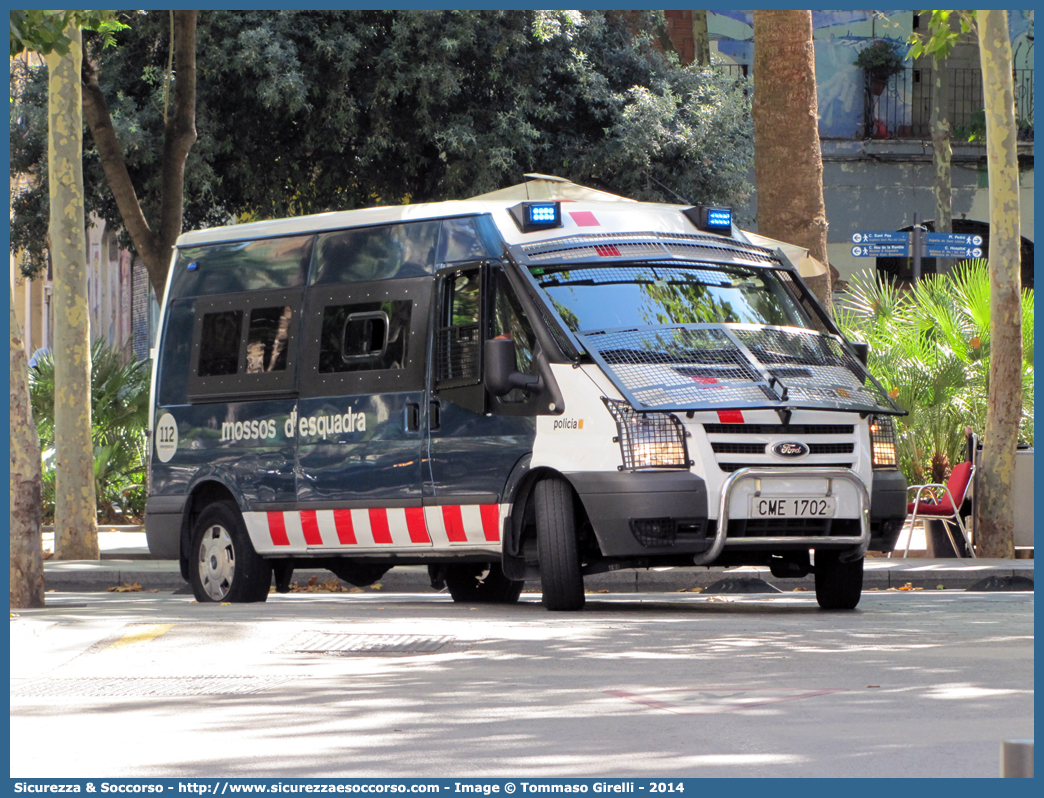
<point x="942" y="503"/>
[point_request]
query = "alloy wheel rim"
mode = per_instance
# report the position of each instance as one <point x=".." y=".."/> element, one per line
<point x="217" y="562"/>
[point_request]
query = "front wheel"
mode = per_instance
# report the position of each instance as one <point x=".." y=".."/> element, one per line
<point x="561" y="582"/>
<point x="224" y="565"/>
<point x="481" y="583"/>
<point x="839" y="585"/>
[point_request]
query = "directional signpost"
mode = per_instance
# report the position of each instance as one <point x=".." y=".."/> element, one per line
<point x="889" y="244"/>
<point x="952" y="245"/>
<point x="881" y="244"/>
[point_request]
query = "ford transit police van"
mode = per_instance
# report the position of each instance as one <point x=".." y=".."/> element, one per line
<point x="506" y="390"/>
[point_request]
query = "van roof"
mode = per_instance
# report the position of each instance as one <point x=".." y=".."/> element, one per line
<point x="578" y="217"/>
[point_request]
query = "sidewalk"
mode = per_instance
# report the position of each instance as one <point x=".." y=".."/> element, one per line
<point x="125" y="561"/>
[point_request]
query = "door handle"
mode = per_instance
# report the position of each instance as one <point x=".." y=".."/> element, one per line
<point x="434" y="414"/>
<point x="412" y="416"/>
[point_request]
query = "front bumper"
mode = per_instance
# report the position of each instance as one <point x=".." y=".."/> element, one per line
<point x="643" y="514"/>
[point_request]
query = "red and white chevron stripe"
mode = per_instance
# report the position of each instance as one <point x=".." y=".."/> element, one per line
<point x="448" y="526"/>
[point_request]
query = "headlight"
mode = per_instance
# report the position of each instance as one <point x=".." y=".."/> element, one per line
<point x="649" y="440"/>
<point x="882" y="442"/>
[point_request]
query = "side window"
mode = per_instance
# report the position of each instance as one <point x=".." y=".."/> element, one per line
<point x="460" y="332"/>
<point x="469" y="238"/>
<point x="509" y="320"/>
<point x="243" y="344"/>
<point x="230" y="268"/>
<point x="219" y="343"/>
<point x="366" y="336"/>
<point x="364" y="254"/>
<point x="267" y="340"/>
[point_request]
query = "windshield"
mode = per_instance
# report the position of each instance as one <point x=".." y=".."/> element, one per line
<point x="600" y="298"/>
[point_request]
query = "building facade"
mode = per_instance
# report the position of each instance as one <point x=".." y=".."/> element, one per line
<point x="876" y="141"/>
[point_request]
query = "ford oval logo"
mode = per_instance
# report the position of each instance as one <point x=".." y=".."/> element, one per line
<point x="789" y="449"/>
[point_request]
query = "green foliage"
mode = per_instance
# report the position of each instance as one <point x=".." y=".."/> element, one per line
<point x="881" y="58"/>
<point x="311" y="111"/>
<point x="119" y="417"/>
<point x="44" y="31"/>
<point x="975" y="128"/>
<point x="930" y="348"/>
<point x="941" y="37"/>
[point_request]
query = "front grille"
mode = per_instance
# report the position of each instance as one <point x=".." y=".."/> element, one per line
<point x="779" y="429"/>
<point x="783" y="527"/>
<point x="831" y="448"/>
<point x="788" y="527"/>
<point x="737" y="448"/>
<point x="730" y="467"/>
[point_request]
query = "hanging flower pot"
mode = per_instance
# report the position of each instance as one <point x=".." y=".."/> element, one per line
<point x="879" y="61"/>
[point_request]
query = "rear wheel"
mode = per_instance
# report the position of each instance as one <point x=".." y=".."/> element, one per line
<point x="481" y="583"/>
<point x="224" y="565"/>
<point x="560" y="579"/>
<point x="839" y="585"/>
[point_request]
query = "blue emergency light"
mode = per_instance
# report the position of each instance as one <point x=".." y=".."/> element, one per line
<point x="530" y="216"/>
<point x="713" y="220"/>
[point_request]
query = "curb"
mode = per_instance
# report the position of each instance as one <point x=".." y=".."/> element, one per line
<point x="879" y="574"/>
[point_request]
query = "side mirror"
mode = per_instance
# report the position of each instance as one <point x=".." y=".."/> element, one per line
<point x="501" y="375"/>
<point x="862" y="350"/>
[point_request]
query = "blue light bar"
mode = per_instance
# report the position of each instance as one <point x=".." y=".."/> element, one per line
<point x="543" y="214"/>
<point x="713" y="220"/>
<point x="192" y="266"/>
<point x="719" y="217"/>
<point x="530" y="216"/>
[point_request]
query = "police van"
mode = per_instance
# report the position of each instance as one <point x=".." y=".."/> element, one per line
<point x="508" y="390"/>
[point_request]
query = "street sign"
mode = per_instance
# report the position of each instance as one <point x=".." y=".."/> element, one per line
<point x="952" y="251"/>
<point x="881" y="244"/>
<point x="889" y="244"/>
<point x="955" y="239"/>
<point x="882" y="251"/>
<point x="881" y="237"/>
<point x="952" y="245"/>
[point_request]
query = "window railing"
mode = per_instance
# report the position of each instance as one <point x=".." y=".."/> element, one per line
<point x="901" y="107"/>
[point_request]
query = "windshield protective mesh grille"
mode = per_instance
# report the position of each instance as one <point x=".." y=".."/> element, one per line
<point x="645" y="245"/>
<point x="639" y="273"/>
<point x="707" y="366"/>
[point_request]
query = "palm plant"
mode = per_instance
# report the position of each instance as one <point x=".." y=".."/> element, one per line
<point x="930" y="347"/>
<point x="119" y="416"/>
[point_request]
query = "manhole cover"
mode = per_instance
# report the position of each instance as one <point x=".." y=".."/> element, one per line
<point x="326" y="643"/>
<point x="144" y="686"/>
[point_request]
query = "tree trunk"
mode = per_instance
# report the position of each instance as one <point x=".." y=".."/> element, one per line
<point x="700" y="39"/>
<point x="995" y="512"/>
<point x="788" y="164"/>
<point x="75" y="510"/>
<point x="27" y="578"/>
<point x="941" y="152"/>
<point x="153" y="247"/>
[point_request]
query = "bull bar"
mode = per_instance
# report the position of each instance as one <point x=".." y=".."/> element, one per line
<point x="861" y="543"/>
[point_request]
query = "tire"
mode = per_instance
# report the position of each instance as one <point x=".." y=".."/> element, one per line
<point x="839" y="585"/>
<point x="481" y="583"/>
<point x="223" y="565"/>
<point x="560" y="579"/>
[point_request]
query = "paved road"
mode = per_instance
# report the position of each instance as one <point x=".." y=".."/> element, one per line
<point x="915" y="683"/>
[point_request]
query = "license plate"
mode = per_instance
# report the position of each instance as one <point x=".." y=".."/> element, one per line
<point x="792" y="507"/>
